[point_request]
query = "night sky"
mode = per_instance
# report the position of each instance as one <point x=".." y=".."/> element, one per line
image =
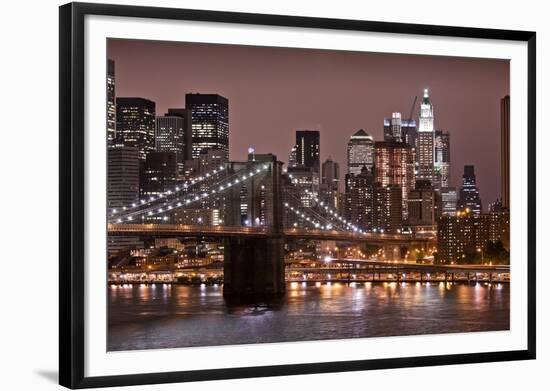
<point x="274" y="91"/>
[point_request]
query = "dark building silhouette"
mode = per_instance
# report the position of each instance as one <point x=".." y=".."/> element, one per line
<point x="159" y="173"/>
<point x="469" y="193"/>
<point x="308" y="149"/>
<point x="135" y="124"/>
<point x="421" y="204"/>
<point x="210" y="122"/>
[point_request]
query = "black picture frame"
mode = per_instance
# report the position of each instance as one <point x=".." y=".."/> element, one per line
<point x="71" y="194"/>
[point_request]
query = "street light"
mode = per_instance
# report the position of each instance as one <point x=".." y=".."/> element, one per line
<point x="479" y="250"/>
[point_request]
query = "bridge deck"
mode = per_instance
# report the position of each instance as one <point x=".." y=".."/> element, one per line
<point x="228" y="231"/>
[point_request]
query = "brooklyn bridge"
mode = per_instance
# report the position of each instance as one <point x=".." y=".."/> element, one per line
<point x="261" y="210"/>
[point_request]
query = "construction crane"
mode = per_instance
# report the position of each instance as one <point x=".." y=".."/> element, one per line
<point x="412" y="108"/>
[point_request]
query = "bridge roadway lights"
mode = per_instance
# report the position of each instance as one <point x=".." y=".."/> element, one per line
<point x="254" y="267"/>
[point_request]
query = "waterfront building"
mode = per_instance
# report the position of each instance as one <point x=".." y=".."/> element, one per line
<point x="209" y="122"/>
<point x="360" y="152"/>
<point x="462" y="238"/>
<point x="135" y="124"/>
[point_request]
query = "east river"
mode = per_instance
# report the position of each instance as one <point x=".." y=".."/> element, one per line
<point x="171" y="315"/>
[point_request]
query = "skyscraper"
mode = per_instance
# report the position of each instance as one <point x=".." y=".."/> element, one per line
<point x="360" y="199"/>
<point x="505" y="151"/>
<point x="210" y="122"/>
<point x="135" y="124"/>
<point x="397" y="128"/>
<point x="394" y="165"/>
<point x="185" y="114"/>
<point x="469" y="193"/>
<point x="122" y="176"/>
<point x="308" y="149"/>
<point x="421" y="205"/>
<point x="169" y="137"/>
<point x="330" y="179"/>
<point x="447" y="201"/>
<point x="330" y="174"/>
<point x="292" y="162"/>
<point x="159" y="173"/>
<point x="442" y="159"/>
<point x="425" y="140"/>
<point x="111" y="108"/>
<point x="360" y="152"/>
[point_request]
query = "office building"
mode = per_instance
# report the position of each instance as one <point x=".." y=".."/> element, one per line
<point x="425" y="140"/>
<point x="159" y="174"/>
<point x="360" y="152"/>
<point x="394" y="165"/>
<point x="186" y="116"/>
<point x="135" y="124"/>
<point x="397" y="128"/>
<point x="308" y="149"/>
<point x="421" y="205"/>
<point x="442" y="159"/>
<point x="111" y="104"/>
<point x="209" y="122"/>
<point x="122" y="176"/>
<point x="448" y="199"/>
<point x="169" y="137"/>
<point x="469" y="193"/>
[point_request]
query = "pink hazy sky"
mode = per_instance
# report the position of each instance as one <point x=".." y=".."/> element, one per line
<point x="274" y="91"/>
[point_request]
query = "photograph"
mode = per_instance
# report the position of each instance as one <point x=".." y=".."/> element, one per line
<point x="263" y="194"/>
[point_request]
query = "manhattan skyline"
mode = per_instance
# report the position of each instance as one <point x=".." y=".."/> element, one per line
<point x="276" y="91"/>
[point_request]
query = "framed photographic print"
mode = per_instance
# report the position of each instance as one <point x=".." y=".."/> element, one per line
<point x="248" y="195"/>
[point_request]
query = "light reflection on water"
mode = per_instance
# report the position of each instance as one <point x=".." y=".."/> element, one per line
<point x="168" y="316"/>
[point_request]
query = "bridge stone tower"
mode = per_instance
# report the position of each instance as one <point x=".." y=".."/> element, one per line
<point x="254" y="266"/>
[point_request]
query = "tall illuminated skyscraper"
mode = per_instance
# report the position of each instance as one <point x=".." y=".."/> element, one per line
<point x="360" y="152"/>
<point x="425" y="141"/>
<point x="394" y="165"/>
<point x="442" y="159"/>
<point x="210" y="122"/>
<point x="135" y="124"/>
<point x="111" y="108"/>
